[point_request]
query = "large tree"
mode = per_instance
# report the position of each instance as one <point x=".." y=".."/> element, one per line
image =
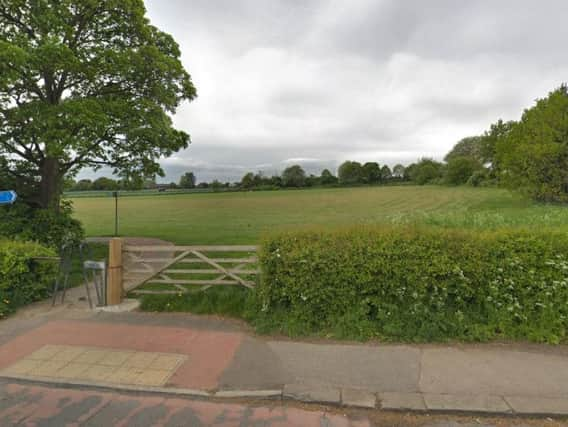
<point x="187" y="180"/>
<point x="294" y="176"/>
<point x="460" y="168"/>
<point x="533" y="154"/>
<point x="371" y="173"/>
<point x="350" y="173"/>
<point x="426" y="171"/>
<point x="85" y="83"/>
<point x="470" y="147"/>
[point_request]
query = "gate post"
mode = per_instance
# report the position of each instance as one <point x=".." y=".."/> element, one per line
<point x="114" y="282"/>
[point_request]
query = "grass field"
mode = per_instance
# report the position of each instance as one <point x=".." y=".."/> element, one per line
<point x="241" y="218"/>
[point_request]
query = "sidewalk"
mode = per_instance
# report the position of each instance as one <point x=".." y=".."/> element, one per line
<point x="182" y="354"/>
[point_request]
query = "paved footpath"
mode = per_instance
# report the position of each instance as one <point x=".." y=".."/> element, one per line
<point x="202" y="357"/>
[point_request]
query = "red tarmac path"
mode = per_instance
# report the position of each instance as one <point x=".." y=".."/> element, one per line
<point x="209" y="352"/>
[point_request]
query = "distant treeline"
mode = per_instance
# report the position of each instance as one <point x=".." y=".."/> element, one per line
<point x="530" y="156"/>
<point x="349" y="173"/>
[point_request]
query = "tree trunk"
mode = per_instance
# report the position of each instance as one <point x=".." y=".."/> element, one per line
<point x="50" y="184"/>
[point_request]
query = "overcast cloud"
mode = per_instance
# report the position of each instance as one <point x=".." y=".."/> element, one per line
<point x="317" y="82"/>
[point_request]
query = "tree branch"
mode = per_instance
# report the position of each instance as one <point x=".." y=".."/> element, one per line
<point x="18" y="23"/>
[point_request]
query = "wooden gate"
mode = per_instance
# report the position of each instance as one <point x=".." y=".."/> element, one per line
<point x="178" y="269"/>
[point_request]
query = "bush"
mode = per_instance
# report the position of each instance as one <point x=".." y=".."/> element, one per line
<point x="479" y="178"/>
<point x="415" y="284"/>
<point x="24" y="279"/>
<point x="460" y="169"/>
<point x="40" y="225"/>
<point x="426" y="171"/>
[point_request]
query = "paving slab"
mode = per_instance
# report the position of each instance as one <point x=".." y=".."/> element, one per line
<point x="538" y="406"/>
<point x="490" y="372"/>
<point x="206" y="353"/>
<point x="307" y="393"/>
<point x="397" y="401"/>
<point x="375" y="368"/>
<point x="358" y="398"/>
<point x="465" y="403"/>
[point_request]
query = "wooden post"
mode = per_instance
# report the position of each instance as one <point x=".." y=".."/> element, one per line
<point x="114" y="281"/>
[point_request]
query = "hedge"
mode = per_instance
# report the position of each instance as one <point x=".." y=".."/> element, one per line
<point x="24" y="279"/>
<point x="415" y="284"/>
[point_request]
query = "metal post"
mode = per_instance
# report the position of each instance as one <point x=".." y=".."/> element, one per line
<point x="115" y="194"/>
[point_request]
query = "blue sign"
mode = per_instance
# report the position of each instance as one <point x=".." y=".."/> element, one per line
<point x="7" y="197"/>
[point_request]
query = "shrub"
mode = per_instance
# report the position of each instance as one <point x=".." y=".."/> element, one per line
<point x="460" y="169"/>
<point x="416" y="284"/>
<point x="40" y="225"/>
<point x="24" y="279"/>
<point x="479" y="178"/>
<point x="426" y="171"/>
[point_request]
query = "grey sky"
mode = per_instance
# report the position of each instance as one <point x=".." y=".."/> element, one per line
<point x="321" y="81"/>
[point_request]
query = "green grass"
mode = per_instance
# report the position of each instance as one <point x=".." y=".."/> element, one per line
<point x="228" y="301"/>
<point x="242" y="217"/>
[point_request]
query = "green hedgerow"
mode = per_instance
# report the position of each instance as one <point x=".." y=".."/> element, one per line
<point x="415" y="284"/>
<point x="23" y="277"/>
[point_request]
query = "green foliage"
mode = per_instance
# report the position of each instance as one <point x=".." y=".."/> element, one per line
<point x="386" y="173"/>
<point x="86" y="84"/>
<point x="470" y="147"/>
<point x="45" y="226"/>
<point x="294" y="176"/>
<point x="481" y="178"/>
<point x="533" y="155"/>
<point x="415" y="284"/>
<point x="426" y="171"/>
<point x="24" y="279"/>
<point x="104" y="183"/>
<point x="228" y="301"/>
<point x="460" y="169"/>
<point x="497" y="132"/>
<point x="398" y="171"/>
<point x="327" y="178"/>
<point x="350" y="173"/>
<point x="371" y="173"/>
<point x="248" y="181"/>
<point x="187" y="180"/>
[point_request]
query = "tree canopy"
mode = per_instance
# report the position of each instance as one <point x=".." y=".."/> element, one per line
<point x="370" y="173"/>
<point x="350" y="173"/>
<point x="187" y="180"/>
<point x="426" y="171"/>
<point x="460" y="169"/>
<point x="294" y="176"/>
<point x="470" y="146"/>
<point x="533" y="153"/>
<point x="85" y="83"/>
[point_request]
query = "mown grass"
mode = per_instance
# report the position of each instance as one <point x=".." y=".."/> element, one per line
<point x="241" y="218"/>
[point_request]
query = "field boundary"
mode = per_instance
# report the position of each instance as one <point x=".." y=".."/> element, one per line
<point x="219" y="265"/>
